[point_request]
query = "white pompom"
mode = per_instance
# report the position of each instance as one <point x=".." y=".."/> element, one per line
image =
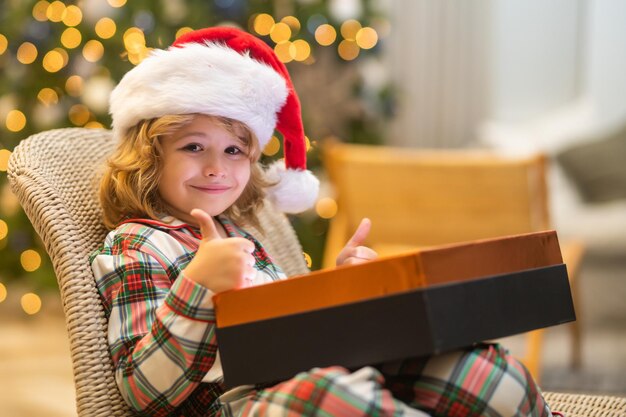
<point x="295" y="191"/>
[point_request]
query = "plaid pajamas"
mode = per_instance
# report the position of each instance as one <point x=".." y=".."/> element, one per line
<point x="162" y="341"/>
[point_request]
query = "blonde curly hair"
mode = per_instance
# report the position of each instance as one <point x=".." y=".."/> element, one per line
<point x="129" y="184"/>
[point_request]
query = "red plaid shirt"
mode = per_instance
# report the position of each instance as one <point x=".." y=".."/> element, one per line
<point x="161" y="324"/>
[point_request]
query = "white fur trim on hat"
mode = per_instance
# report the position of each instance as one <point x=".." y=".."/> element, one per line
<point x="205" y="78"/>
<point x="295" y="191"/>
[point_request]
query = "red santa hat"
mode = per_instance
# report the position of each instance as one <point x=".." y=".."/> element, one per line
<point x="226" y="72"/>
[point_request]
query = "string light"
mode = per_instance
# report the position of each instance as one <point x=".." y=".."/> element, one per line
<point x="350" y="28"/>
<point x="93" y="50"/>
<point x="272" y="147"/>
<point x="134" y="40"/>
<point x="326" y="208"/>
<point x="74" y="86"/>
<point x="4" y="43"/>
<point x="79" y="114"/>
<point x="47" y="96"/>
<point x="54" y="60"/>
<point x="56" y="11"/>
<point x="116" y="3"/>
<point x="4" y="228"/>
<point x="325" y="34"/>
<point x="15" y="121"/>
<point x="106" y="28"/>
<point x="366" y="38"/>
<point x="307" y="259"/>
<point x="280" y="32"/>
<point x="94" y="125"/>
<point x="283" y="51"/>
<point x="348" y="50"/>
<point x="4" y="159"/>
<point x="31" y="303"/>
<point x="263" y="24"/>
<point x="3" y="291"/>
<point x="300" y="50"/>
<point x="71" y="38"/>
<point x="27" y="53"/>
<point x="40" y="10"/>
<point x="72" y="16"/>
<point x="293" y="23"/>
<point x="30" y="260"/>
<point x="180" y="32"/>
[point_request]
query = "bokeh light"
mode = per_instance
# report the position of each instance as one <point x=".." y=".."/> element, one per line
<point x="40" y="10"/>
<point x="307" y="259"/>
<point x="366" y="38"/>
<point x="4" y="160"/>
<point x="93" y="50"/>
<point x="350" y="28"/>
<point x="71" y="38"/>
<point x="27" y="53"/>
<point x="134" y="40"/>
<point x="272" y="147"/>
<point x="293" y="22"/>
<point x="31" y="303"/>
<point x="30" y="260"/>
<point x="54" y="60"/>
<point x="74" y="86"/>
<point x="180" y="32"/>
<point x="348" y="50"/>
<point x="326" y="208"/>
<point x="106" y="28"/>
<point x="325" y="34"/>
<point x="280" y="32"/>
<point x="72" y="16"/>
<point x="4" y="43"/>
<point x="15" y="121"/>
<point x="3" y="289"/>
<point x="56" y="11"/>
<point x="47" y="96"/>
<point x="116" y="3"/>
<point x="300" y="49"/>
<point x="283" y="52"/>
<point x="263" y="24"/>
<point x="94" y="125"/>
<point x="79" y="114"/>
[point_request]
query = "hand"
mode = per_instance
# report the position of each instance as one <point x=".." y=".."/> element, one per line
<point x="353" y="252"/>
<point x="220" y="264"/>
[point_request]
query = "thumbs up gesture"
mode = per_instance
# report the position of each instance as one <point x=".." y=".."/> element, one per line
<point x="220" y="264"/>
<point x="354" y="252"/>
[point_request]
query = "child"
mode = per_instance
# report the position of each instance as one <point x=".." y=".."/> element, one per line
<point x="191" y="122"/>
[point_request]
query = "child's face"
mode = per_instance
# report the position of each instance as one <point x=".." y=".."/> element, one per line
<point x="204" y="166"/>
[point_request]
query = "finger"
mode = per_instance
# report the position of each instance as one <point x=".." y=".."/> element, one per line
<point x="363" y="252"/>
<point x="361" y="233"/>
<point x="207" y="224"/>
<point x="242" y="243"/>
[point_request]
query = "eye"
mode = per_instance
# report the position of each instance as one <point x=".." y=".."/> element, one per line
<point x="192" y="147"/>
<point x="234" y="150"/>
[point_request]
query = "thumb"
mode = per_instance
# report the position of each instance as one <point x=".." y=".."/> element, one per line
<point x="207" y="224"/>
<point x="361" y="233"/>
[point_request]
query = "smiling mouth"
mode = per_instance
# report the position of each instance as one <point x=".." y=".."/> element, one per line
<point x="212" y="189"/>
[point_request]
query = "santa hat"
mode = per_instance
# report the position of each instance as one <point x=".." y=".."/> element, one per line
<point x="226" y="72"/>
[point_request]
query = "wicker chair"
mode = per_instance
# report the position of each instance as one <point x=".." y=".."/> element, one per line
<point x="54" y="174"/>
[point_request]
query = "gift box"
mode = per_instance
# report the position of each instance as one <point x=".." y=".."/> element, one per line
<point x="420" y="303"/>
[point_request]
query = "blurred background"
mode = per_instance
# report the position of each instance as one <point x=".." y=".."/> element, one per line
<point x="519" y="76"/>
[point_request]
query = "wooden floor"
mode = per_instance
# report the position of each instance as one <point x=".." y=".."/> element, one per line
<point x="36" y="376"/>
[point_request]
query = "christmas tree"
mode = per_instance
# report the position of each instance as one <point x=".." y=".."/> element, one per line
<point x="60" y="60"/>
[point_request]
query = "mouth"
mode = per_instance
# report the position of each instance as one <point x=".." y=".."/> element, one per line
<point x="211" y="189"/>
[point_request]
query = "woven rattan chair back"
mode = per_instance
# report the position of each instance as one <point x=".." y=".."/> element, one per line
<point x="54" y="175"/>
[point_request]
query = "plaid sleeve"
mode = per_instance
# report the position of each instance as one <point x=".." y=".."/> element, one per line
<point x="161" y="335"/>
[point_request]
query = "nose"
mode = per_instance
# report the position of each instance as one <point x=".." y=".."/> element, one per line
<point x="213" y="167"/>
